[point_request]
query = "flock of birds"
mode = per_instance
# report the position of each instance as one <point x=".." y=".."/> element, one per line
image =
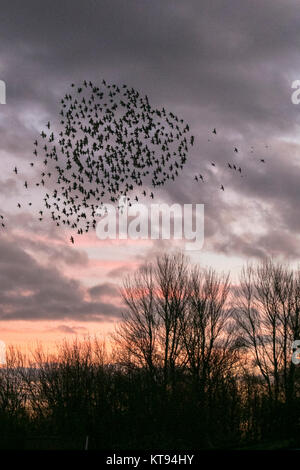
<point x="109" y="142"/>
<point x="230" y="165"/>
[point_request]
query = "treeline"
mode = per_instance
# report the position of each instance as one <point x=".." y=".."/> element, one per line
<point x="195" y="363"/>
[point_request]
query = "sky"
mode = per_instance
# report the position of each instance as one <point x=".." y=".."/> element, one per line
<point x="215" y="64"/>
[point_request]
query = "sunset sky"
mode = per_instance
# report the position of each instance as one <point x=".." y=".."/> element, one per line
<point x="215" y="64"/>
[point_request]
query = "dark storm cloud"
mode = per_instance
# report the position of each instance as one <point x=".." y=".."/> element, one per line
<point x="200" y="54"/>
<point x="31" y="291"/>
<point x="218" y="64"/>
<point x="105" y="289"/>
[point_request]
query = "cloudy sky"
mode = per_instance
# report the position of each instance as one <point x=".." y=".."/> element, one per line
<point x="216" y="64"/>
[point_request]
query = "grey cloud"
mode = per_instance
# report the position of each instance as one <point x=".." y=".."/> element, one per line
<point x="69" y="329"/>
<point x="105" y="289"/>
<point x="119" y="272"/>
<point x="8" y="187"/>
<point x="225" y="65"/>
<point x="31" y="291"/>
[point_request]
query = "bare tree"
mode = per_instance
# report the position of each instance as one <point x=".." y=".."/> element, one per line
<point x="177" y="317"/>
<point x="172" y="297"/>
<point x="267" y="313"/>
<point x="13" y="397"/>
<point x="156" y="298"/>
<point x="206" y="325"/>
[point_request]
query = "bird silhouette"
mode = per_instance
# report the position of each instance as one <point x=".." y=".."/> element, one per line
<point x="108" y="143"/>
